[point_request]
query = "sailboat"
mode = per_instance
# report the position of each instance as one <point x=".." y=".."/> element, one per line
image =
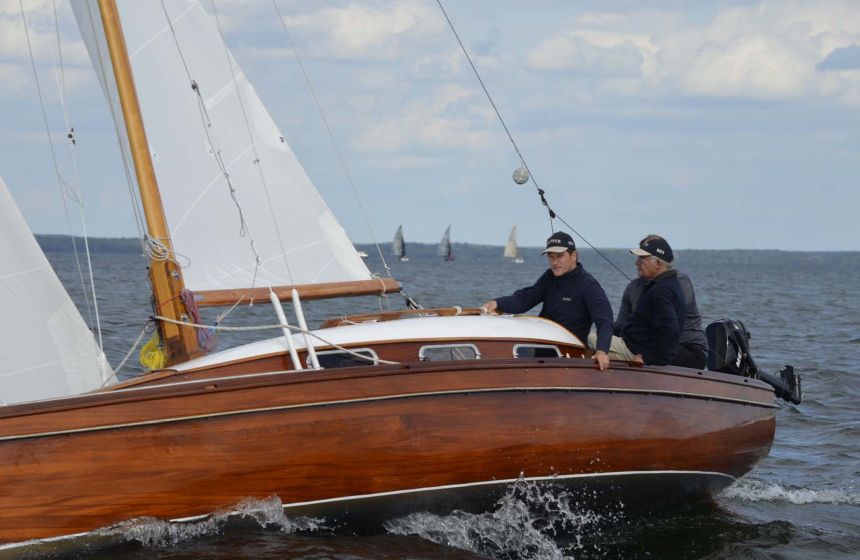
<point x="365" y="418"/>
<point x="511" y="249"/>
<point x="398" y="246"/>
<point x="444" y="249"/>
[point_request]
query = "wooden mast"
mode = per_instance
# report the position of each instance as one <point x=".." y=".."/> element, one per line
<point x="165" y="275"/>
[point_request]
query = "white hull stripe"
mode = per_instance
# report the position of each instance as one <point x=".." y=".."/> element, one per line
<point x="676" y="394"/>
<point x="729" y="480"/>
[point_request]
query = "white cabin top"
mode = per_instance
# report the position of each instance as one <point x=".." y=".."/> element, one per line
<point x="464" y="328"/>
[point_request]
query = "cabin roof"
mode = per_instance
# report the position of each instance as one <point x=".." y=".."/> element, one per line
<point x="465" y="328"/>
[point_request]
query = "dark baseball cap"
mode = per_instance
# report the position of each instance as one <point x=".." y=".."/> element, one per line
<point x="654" y="247"/>
<point x="559" y="242"/>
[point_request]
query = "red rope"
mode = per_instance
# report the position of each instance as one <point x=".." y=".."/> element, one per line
<point x="205" y="337"/>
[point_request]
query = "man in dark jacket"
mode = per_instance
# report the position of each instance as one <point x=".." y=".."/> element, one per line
<point x="652" y="333"/>
<point x="693" y="347"/>
<point x="570" y="295"/>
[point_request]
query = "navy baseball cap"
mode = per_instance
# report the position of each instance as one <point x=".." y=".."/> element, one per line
<point x="654" y="247"/>
<point x="559" y="242"/>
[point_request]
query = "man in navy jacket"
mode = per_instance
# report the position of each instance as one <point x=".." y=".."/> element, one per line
<point x="570" y="295"/>
<point x="693" y="348"/>
<point x="652" y="333"/>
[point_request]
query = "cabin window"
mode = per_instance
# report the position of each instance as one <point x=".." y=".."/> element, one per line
<point x="338" y="358"/>
<point x="443" y="352"/>
<point x="536" y="351"/>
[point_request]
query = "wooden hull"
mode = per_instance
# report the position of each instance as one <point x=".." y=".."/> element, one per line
<point x="383" y="439"/>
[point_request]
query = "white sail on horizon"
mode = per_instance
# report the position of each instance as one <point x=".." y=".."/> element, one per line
<point x="398" y="246"/>
<point x="267" y="224"/>
<point x="511" y="249"/>
<point x="444" y="249"/>
<point x="48" y="350"/>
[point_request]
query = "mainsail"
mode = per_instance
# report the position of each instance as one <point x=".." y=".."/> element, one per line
<point x="444" y="249"/>
<point x="48" y="351"/>
<point x="511" y="249"/>
<point x="241" y="210"/>
<point x="398" y="247"/>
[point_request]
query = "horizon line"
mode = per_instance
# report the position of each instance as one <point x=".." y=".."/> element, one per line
<point x="536" y="247"/>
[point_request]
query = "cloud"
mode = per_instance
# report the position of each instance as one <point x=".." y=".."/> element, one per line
<point x="16" y="73"/>
<point x="370" y="32"/>
<point x="42" y="31"/>
<point x="14" y="79"/>
<point x="845" y="58"/>
<point x="763" y="50"/>
<point x="11" y="8"/>
<point x="753" y="66"/>
<point x="441" y="120"/>
<point x="615" y="57"/>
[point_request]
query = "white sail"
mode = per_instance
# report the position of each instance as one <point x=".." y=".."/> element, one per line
<point x="398" y="247"/>
<point x="444" y="249"/>
<point x="48" y="351"/>
<point x="269" y="207"/>
<point x="511" y="250"/>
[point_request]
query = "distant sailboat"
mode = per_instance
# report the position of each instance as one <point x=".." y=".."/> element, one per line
<point x="511" y="249"/>
<point x="445" y="246"/>
<point x="398" y="246"/>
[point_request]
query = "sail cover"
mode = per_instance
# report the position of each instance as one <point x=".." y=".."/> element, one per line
<point x="511" y="250"/>
<point x="48" y="351"/>
<point x="267" y="224"/>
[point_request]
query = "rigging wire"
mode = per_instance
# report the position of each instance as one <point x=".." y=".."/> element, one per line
<point x="331" y="135"/>
<point x="257" y="161"/>
<point x="61" y="87"/>
<point x="541" y="193"/>
<point x="60" y="182"/>
<point x="244" y="228"/>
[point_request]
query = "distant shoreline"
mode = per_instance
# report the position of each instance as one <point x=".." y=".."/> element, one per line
<point x="54" y="243"/>
<point x="57" y="243"/>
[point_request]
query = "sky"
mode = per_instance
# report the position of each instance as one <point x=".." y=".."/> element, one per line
<point x="724" y="124"/>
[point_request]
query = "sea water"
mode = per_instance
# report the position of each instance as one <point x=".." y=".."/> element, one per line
<point x="801" y="502"/>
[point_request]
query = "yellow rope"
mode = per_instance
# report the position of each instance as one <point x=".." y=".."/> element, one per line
<point x="153" y="355"/>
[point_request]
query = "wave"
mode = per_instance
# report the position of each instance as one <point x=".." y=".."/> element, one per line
<point x="532" y="520"/>
<point x="758" y="491"/>
<point x="267" y="514"/>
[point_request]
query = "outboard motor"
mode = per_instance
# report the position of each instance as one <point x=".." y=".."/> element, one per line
<point x="729" y="352"/>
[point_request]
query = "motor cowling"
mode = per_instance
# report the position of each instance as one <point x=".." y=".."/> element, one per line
<point x="729" y="352"/>
<point x="729" y="348"/>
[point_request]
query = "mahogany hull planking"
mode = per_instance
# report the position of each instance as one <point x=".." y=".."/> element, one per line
<point x="381" y="439"/>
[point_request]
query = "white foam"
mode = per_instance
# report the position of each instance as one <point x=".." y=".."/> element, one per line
<point x="268" y="514"/>
<point x="522" y="525"/>
<point x="758" y="491"/>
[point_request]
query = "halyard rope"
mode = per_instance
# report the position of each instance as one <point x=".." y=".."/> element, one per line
<point x="331" y="136"/>
<point x="541" y="193"/>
